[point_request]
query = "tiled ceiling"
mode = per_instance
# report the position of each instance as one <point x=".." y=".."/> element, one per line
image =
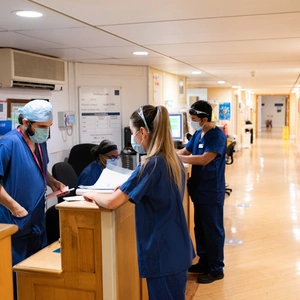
<point x="254" y="44"/>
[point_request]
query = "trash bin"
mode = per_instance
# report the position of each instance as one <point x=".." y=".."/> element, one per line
<point x="246" y="140"/>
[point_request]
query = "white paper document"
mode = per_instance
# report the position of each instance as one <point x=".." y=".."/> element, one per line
<point x="82" y="191"/>
<point x="108" y="180"/>
<point x="74" y="198"/>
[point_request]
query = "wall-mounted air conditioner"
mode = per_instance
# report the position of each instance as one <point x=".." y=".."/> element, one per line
<point x="27" y="70"/>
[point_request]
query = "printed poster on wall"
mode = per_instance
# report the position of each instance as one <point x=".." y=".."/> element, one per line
<point x="3" y="110"/>
<point x="224" y="111"/>
<point x="156" y="88"/>
<point x="100" y="115"/>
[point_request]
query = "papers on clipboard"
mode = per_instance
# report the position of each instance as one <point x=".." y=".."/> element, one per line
<point x="107" y="182"/>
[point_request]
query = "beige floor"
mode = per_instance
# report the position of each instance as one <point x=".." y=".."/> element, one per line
<point x="265" y="180"/>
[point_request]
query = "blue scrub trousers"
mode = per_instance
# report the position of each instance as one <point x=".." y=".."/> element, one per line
<point x="210" y="235"/>
<point x="170" y="287"/>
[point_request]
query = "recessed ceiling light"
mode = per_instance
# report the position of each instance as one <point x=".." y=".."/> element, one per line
<point x="28" y="14"/>
<point x="235" y="86"/>
<point x="140" y="53"/>
<point x="221" y="82"/>
<point x="196" y="72"/>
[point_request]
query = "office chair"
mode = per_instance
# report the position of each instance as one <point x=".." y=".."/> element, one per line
<point x="63" y="172"/>
<point x="80" y="156"/>
<point x="229" y="161"/>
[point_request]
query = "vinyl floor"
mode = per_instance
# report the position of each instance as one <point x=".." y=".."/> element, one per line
<point x="262" y="222"/>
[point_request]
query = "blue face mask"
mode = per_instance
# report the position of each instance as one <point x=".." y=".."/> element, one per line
<point x="139" y="148"/>
<point x="112" y="162"/>
<point x="196" y="125"/>
<point x="40" y="135"/>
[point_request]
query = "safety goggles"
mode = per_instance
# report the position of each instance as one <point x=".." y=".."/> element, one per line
<point x="195" y="112"/>
<point x="113" y="157"/>
<point x="141" y="114"/>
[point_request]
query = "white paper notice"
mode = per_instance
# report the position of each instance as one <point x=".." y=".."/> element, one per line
<point x="108" y="180"/>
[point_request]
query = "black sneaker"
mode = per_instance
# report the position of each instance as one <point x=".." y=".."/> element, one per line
<point x="209" y="277"/>
<point x="197" y="268"/>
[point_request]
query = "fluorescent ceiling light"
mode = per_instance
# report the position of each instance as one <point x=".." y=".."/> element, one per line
<point x="141" y="53"/>
<point x="28" y="14"/>
<point x="235" y="86"/>
<point x="221" y="82"/>
<point x="196" y="72"/>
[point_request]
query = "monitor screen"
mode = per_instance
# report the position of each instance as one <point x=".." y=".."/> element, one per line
<point x="176" y="123"/>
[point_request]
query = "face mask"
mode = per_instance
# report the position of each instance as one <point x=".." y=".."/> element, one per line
<point x="196" y="125"/>
<point x="40" y="135"/>
<point x="139" y="148"/>
<point x="112" y="162"/>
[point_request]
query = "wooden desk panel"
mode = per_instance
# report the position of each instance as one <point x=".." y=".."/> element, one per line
<point x="6" y="283"/>
<point x="98" y="258"/>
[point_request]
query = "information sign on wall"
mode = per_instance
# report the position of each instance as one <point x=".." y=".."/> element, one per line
<point x="100" y="115"/>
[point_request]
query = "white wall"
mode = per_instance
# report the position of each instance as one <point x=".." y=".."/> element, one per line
<point x="134" y="93"/>
<point x="133" y="81"/>
<point x="201" y="93"/>
<point x="270" y="112"/>
<point x="58" y="148"/>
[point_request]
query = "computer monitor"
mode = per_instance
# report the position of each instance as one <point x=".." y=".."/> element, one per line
<point x="176" y="123"/>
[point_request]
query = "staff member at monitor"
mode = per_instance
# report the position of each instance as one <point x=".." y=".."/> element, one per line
<point x="206" y="152"/>
<point x="105" y="153"/>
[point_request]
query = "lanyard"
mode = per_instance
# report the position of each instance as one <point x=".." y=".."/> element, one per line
<point x="34" y="155"/>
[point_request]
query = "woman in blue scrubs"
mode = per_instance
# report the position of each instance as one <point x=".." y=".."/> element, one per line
<point x="156" y="187"/>
<point x="206" y="152"/>
<point x="106" y="152"/>
<point x="23" y="179"/>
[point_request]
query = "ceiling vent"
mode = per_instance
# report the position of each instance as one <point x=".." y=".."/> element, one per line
<point x="26" y="70"/>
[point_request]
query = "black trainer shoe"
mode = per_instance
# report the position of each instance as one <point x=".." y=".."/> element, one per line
<point x="197" y="268"/>
<point x="209" y="277"/>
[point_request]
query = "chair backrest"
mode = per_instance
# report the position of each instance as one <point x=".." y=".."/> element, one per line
<point x="229" y="153"/>
<point x="80" y="156"/>
<point x="64" y="172"/>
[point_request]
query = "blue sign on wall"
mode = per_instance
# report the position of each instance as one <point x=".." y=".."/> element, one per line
<point x="5" y="126"/>
<point x="224" y="111"/>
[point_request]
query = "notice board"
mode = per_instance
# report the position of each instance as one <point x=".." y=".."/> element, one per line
<point x="100" y="115"/>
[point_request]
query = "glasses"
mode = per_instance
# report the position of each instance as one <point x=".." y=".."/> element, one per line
<point x="113" y="157"/>
<point x="195" y="112"/>
<point x="141" y="114"/>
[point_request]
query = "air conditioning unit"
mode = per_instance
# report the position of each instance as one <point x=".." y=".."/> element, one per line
<point x="26" y="70"/>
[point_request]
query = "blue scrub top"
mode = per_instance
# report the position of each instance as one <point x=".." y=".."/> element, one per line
<point x="163" y="241"/>
<point x="23" y="181"/>
<point x="90" y="174"/>
<point x="207" y="183"/>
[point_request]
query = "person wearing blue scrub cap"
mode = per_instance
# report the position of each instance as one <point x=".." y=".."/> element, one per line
<point x="24" y="179"/>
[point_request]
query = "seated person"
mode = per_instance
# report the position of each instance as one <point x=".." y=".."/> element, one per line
<point x="106" y="152"/>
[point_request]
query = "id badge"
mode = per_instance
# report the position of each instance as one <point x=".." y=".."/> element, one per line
<point x="200" y="146"/>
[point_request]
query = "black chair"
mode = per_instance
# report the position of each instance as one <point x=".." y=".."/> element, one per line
<point x="63" y="172"/>
<point x="80" y="156"/>
<point x="229" y="161"/>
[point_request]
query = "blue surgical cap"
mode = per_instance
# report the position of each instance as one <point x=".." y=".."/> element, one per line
<point x="37" y="111"/>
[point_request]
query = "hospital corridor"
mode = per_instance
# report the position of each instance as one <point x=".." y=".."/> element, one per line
<point x="262" y="224"/>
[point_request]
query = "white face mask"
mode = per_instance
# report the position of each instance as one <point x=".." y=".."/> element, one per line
<point x="196" y="125"/>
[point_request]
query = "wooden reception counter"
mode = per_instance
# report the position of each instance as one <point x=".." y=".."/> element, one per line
<point x="96" y="258"/>
<point x="6" y="282"/>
